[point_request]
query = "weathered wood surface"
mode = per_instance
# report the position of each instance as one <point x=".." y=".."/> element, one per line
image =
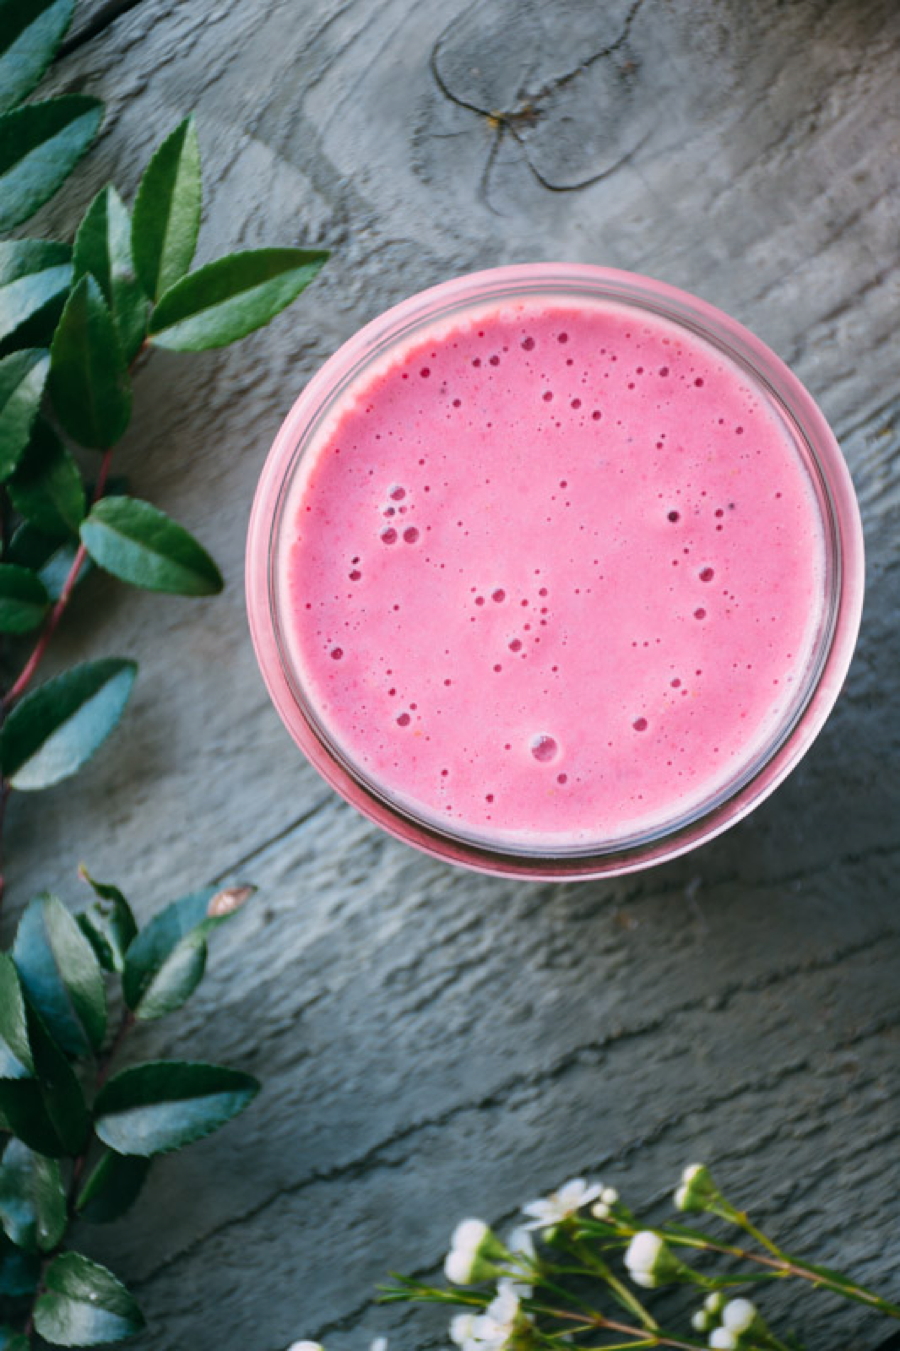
<point x="434" y="1043"/>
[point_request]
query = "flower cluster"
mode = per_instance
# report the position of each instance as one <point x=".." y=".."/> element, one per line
<point x="727" y="1321"/>
<point x="519" y="1295"/>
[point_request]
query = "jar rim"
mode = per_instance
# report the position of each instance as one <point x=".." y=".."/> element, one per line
<point x="758" y="777"/>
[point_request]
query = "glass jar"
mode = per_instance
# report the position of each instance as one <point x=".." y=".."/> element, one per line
<point x="432" y="315"/>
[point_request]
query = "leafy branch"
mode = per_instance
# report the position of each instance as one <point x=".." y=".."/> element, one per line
<point x="76" y="322"/>
<point x="83" y="1137"/>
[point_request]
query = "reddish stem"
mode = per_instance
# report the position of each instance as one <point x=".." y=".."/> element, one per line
<point x="37" y="655"/>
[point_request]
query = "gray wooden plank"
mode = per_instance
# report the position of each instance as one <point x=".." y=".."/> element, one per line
<point x="432" y="1041"/>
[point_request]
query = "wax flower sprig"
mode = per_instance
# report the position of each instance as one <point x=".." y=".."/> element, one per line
<point x="593" y="1259"/>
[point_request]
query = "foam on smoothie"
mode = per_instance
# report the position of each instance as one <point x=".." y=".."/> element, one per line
<point x="555" y="574"/>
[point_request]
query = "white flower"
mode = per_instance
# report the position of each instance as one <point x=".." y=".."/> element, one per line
<point x="379" y="1344"/>
<point x="560" y="1205"/>
<point x="696" y="1189"/>
<point x="651" y="1262"/>
<point x="501" y="1320"/>
<point x="738" y="1315"/>
<point x="642" y="1257"/>
<point x="474" y="1252"/>
<point x="722" y="1340"/>
<point x="461" y="1327"/>
<point x="305" y="1346"/>
<point x="602" y="1209"/>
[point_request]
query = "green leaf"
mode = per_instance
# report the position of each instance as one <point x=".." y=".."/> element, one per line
<point x="167" y="211"/>
<point x="89" y="381"/>
<point x="30" y="33"/>
<point x="200" y="912"/>
<point x="52" y="561"/>
<point x="108" y="925"/>
<point x="61" y="975"/>
<point x="16" y="1061"/>
<point x="58" y="727"/>
<point x="20" y="1273"/>
<point x="22" y="379"/>
<point x="141" y="544"/>
<point x="151" y="1109"/>
<point x="84" y="1304"/>
<point x="229" y="298"/>
<point x="112" y="1187"/>
<point x="176" y="980"/>
<point x="32" y="1199"/>
<point x="103" y="249"/>
<point x="23" y="599"/>
<point x="49" y="1111"/>
<point x="35" y="276"/>
<point x="40" y="145"/>
<point x="46" y="486"/>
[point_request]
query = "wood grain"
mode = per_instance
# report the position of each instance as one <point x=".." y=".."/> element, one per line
<point x="434" y="1043"/>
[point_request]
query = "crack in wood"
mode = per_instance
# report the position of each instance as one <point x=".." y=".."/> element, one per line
<point x="512" y="121"/>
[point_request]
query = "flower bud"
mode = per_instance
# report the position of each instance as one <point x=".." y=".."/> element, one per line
<point x="720" y="1339"/>
<point x="462" y="1327"/>
<point x="305" y="1346"/>
<point x="715" y="1302"/>
<point x="739" y="1315"/>
<point x="651" y="1262"/>
<point x="697" y="1189"/>
<point x="701" y="1321"/>
<point x="475" y="1251"/>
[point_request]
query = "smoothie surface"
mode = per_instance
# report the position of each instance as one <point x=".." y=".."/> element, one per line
<point x="556" y="571"/>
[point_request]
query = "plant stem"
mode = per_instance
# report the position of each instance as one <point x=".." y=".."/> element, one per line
<point x="50" y="626"/>
<point x="598" y="1267"/>
<point x="786" y="1266"/>
<point x="642" y="1336"/>
<point x="26" y="675"/>
<point x="104" y="1065"/>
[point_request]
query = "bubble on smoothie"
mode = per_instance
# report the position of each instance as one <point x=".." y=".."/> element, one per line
<point x="544" y="747"/>
<point x="389" y="535"/>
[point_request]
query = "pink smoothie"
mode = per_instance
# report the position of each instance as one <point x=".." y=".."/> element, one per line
<point x="556" y="574"/>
